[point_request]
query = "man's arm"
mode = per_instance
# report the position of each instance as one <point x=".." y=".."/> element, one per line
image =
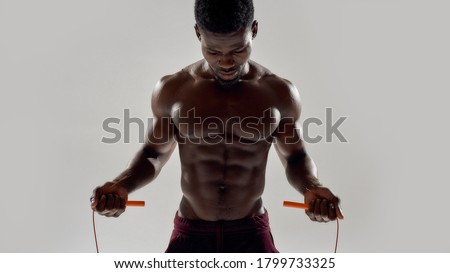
<point x="301" y="171"/>
<point x="109" y="199"/>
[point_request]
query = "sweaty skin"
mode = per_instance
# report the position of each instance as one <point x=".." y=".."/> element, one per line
<point x="224" y="112"/>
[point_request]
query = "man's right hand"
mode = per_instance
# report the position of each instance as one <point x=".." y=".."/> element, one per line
<point x="109" y="200"/>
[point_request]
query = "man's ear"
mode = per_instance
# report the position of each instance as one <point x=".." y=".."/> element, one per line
<point x="254" y="29"/>
<point x="197" y="32"/>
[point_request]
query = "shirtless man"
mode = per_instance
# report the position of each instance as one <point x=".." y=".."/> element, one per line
<point x="224" y="112"/>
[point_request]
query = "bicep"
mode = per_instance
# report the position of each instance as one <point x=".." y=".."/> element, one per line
<point x="288" y="142"/>
<point x="160" y="136"/>
<point x="160" y="140"/>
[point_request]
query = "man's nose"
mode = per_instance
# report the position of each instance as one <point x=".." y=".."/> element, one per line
<point x="226" y="62"/>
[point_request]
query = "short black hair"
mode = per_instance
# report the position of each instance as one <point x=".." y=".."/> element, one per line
<point x="223" y="16"/>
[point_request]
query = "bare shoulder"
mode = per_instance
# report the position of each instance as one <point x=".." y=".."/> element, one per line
<point x="285" y="93"/>
<point x="166" y="91"/>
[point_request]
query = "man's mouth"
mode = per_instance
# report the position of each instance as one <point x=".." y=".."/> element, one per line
<point x="228" y="75"/>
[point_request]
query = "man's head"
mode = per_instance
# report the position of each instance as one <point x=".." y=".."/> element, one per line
<point x="225" y="29"/>
<point x="223" y="16"/>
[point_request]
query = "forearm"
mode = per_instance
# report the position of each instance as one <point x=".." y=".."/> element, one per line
<point x="301" y="172"/>
<point x="143" y="169"/>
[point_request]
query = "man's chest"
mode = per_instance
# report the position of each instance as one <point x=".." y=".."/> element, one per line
<point x="248" y="113"/>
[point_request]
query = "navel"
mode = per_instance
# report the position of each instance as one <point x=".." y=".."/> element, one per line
<point x="221" y="188"/>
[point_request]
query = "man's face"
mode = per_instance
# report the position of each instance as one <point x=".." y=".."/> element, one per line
<point x="227" y="54"/>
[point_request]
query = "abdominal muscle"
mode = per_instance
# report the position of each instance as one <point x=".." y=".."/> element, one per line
<point x="222" y="181"/>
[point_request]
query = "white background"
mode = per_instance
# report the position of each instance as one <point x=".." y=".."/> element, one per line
<point x="66" y="66"/>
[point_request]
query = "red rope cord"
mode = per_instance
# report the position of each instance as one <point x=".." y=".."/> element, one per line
<point x="337" y="236"/>
<point x="96" y="242"/>
<point x="95" y="232"/>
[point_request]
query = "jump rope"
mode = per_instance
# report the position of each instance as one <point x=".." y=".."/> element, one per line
<point x="288" y="204"/>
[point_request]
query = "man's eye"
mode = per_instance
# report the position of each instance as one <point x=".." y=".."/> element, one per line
<point x="212" y="53"/>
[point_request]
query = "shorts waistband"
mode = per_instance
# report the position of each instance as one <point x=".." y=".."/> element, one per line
<point x="256" y="223"/>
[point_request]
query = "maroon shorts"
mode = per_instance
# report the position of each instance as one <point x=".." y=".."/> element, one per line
<point x="248" y="235"/>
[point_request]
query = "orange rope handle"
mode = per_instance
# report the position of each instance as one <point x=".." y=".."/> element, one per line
<point x="297" y="205"/>
<point x="135" y="203"/>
